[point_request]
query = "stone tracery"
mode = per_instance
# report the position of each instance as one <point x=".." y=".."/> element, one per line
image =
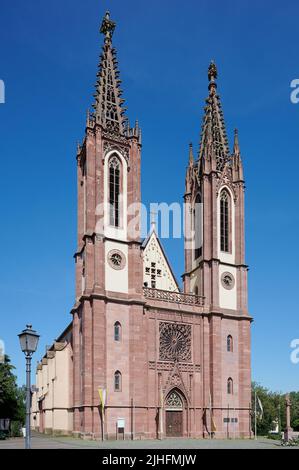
<point x="175" y="342"/>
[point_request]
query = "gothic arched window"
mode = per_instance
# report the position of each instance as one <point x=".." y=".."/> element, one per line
<point x="197" y="227"/>
<point x="117" y="331"/>
<point x="114" y="190"/>
<point x="230" y="386"/>
<point x="117" y="381"/>
<point x="229" y="343"/>
<point x="225" y="215"/>
<point x="174" y="400"/>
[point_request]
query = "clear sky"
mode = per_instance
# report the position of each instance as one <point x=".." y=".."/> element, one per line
<point x="49" y="54"/>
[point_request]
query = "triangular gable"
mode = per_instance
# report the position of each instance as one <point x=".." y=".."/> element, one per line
<point x="157" y="272"/>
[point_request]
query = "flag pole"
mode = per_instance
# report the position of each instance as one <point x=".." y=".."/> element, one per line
<point x="255" y="425"/>
<point x="210" y="406"/>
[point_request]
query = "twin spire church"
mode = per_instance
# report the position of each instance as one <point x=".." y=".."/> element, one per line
<point x="166" y="362"/>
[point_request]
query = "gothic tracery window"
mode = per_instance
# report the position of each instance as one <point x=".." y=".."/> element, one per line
<point x="197" y="227"/>
<point x="230" y="386"/>
<point x="114" y="191"/>
<point x="229" y="343"/>
<point x="117" y="381"/>
<point x="175" y="342"/>
<point x="117" y="331"/>
<point x="225" y="209"/>
<point x="174" y="400"/>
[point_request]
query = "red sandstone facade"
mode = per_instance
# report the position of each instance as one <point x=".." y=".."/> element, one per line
<point x="172" y="363"/>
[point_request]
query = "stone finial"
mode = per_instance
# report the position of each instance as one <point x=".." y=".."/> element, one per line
<point x="191" y="156"/>
<point x="212" y="72"/>
<point x="107" y="27"/>
<point x="236" y="143"/>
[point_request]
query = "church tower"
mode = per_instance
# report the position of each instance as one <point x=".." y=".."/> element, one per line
<point x="170" y="363"/>
<point x="215" y="260"/>
<point x="108" y="259"/>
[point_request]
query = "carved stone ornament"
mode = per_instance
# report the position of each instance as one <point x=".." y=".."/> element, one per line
<point x="227" y="281"/>
<point x="116" y="259"/>
<point x="176" y="380"/>
<point x="174" y="401"/>
<point x="226" y="179"/>
<point x="124" y="151"/>
<point x="175" y="342"/>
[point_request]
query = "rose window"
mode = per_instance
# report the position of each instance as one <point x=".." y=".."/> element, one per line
<point x="175" y="342"/>
<point x="227" y="280"/>
<point x="116" y="259"/>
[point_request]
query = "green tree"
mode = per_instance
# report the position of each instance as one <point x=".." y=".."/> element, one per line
<point x="270" y="409"/>
<point x="274" y="406"/>
<point x="12" y="402"/>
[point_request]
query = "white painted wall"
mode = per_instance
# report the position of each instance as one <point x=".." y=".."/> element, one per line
<point x="153" y="254"/>
<point x="227" y="298"/>
<point x="116" y="280"/>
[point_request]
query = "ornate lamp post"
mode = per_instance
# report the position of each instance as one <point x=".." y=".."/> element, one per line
<point x="28" y="341"/>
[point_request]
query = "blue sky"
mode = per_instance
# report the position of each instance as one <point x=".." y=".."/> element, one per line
<point x="49" y="54"/>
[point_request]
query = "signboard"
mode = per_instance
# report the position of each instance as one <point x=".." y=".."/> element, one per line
<point x="120" y="423"/>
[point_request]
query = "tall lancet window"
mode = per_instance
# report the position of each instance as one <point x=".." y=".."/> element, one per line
<point x="114" y="190"/>
<point x="197" y="227"/>
<point x="225" y="215"/>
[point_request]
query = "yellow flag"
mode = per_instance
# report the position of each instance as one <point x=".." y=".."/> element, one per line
<point x="102" y="394"/>
<point x="213" y="425"/>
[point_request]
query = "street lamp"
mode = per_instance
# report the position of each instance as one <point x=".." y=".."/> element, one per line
<point x="28" y="341"/>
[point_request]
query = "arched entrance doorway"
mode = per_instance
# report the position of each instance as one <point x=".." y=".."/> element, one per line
<point x="174" y="414"/>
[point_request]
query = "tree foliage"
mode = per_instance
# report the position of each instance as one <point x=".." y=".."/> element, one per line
<point x="12" y="398"/>
<point x="274" y="409"/>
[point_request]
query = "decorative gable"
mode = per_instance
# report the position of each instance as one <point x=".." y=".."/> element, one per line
<point x="157" y="272"/>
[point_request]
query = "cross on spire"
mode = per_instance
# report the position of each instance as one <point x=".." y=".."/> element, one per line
<point x="107" y="27"/>
<point x="212" y="72"/>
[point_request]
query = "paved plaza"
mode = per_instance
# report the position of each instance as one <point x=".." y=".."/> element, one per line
<point x="49" y="442"/>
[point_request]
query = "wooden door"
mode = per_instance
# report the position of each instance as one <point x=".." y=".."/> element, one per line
<point x="174" y="423"/>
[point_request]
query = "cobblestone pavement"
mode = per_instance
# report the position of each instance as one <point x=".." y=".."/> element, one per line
<point x="49" y="442"/>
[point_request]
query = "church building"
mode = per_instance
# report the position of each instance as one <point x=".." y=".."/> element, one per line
<point x="142" y="357"/>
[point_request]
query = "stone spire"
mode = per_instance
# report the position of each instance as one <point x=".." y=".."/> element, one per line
<point x="191" y="156"/>
<point x="214" y="143"/>
<point x="108" y="102"/>
<point x="237" y="165"/>
<point x="236" y="149"/>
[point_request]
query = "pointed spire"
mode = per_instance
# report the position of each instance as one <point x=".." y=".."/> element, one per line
<point x="214" y="143"/>
<point x="191" y="156"/>
<point x="236" y="159"/>
<point x="236" y="150"/>
<point x="109" y="111"/>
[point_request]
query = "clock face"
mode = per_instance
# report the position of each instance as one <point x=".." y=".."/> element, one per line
<point x="116" y="259"/>
<point x="227" y="281"/>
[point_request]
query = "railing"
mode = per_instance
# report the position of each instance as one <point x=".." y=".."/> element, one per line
<point x="174" y="297"/>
